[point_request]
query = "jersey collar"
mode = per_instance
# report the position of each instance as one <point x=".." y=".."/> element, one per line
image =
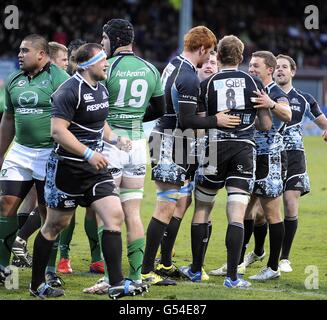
<point x="86" y="82"/>
<point x="228" y="69"/>
<point x="124" y="53"/>
<point x="270" y="84"/>
<point x="45" y="68"/>
<point x="188" y="62"/>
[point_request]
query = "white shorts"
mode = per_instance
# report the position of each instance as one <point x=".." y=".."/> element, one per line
<point x="24" y="163"/>
<point x="130" y="164"/>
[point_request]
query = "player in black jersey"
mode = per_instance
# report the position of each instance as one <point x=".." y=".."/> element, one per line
<point x="171" y="163"/>
<point x="77" y="172"/>
<point x="229" y="156"/>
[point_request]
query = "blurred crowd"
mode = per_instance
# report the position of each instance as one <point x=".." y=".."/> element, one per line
<point x="277" y="26"/>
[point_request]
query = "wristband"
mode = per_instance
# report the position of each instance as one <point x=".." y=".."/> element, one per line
<point x="88" y="154"/>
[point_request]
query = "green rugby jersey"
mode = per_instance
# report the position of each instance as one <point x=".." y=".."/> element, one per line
<point x="28" y="99"/>
<point x="2" y="100"/>
<point x="131" y="83"/>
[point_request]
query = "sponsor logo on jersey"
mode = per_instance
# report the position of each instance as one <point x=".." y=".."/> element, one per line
<point x="124" y="116"/>
<point x="295" y="100"/>
<point x="20" y="83"/>
<point x="104" y="95"/>
<point x="97" y="106"/>
<point x="295" y="108"/>
<point x="44" y="84"/>
<point x="88" y="97"/>
<point x="29" y="111"/>
<point x="28" y="99"/>
<point x="141" y="72"/>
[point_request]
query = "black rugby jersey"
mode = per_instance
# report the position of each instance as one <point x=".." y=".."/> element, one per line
<point x="302" y="105"/>
<point x="231" y="89"/>
<point x="181" y="86"/>
<point x="86" y="108"/>
<point x="272" y="140"/>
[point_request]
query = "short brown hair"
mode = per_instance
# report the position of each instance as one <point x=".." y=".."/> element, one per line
<point x="197" y="37"/>
<point x="38" y="42"/>
<point x="230" y="50"/>
<point x="289" y="59"/>
<point x="54" y="47"/>
<point x="269" y="59"/>
<point x="86" y="52"/>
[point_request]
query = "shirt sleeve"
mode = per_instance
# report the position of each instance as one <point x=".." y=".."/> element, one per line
<point x="60" y="77"/>
<point x="158" y="91"/>
<point x="64" y="103"/>
<point x="313" y="110"/>
<point x="8" y="106"/>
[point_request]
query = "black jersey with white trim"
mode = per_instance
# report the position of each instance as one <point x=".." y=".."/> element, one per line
<point x="302" y="105"/>
<point x="271" y="141"/>
<point x="181" y="85"/>
<point x="86" y="108"/>
<point x="231" y="89"/>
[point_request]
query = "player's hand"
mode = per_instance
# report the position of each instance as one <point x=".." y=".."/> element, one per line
<point x="225" y="120"/>
<point x="324" y="135"/>
<point x="263" y="100"/>
<point x="124" y="144"/>
<point x="98" y="161"/>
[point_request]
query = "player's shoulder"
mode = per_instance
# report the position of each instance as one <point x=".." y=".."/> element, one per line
<point x="276" y="91"/>
<point x="54" y="70"/>
<point x="13" y="77"/>
<point x="307" y="96"/>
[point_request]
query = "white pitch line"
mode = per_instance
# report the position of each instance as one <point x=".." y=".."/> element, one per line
<point x="303" y="293"/>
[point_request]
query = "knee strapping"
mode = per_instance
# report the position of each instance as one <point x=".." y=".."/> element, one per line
<point x="205" y="195"/>
<point x="186" y="190"/>
<point x="241" y="197"/>
<point x="130" y="194"/>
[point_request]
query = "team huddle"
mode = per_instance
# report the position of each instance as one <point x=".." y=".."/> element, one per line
<point x="76" y="139"/>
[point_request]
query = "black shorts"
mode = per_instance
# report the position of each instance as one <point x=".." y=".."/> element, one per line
<point x="71" y="183"/>
<point x="270" y="174"/>
<point x="172" y="158"/>
<point x="233" y="166"/>
<point x="297" y="177"/>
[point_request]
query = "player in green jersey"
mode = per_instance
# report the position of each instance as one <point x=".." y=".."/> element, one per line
<point x="135" y="96"/>
<point x="27" y="118"/>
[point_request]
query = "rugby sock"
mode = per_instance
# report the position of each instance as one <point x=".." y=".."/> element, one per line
<point x="8" y="229"/>
<point x="135" y="253"/>
<point x="248" y="230"/>
<point x="260" y="232"/>
<point x="234" y="240"/>
<point x="31" y="225"/>
<point x="209" y="236"/>
<point x="41" y="252"/>
<point x="112" y="252"/>
<point x="154" y="234"/>
<point x="100" y="233"/>
<point x="168" y="240"/>
<point x="91" y="230"/>
<point x="22" y="218"/>
<point x="199" y="239"/>
<point x="290" y="230"/>
<point x="51" y="267"/>
<point x="65" y="239"/>
<point x="276" y="235"/>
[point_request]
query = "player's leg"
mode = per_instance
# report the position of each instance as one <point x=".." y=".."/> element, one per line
<point x="64" y="265"/>
<point x="15" y="182"/>
<point x="165" y="267"/>
<point x="204" y="201"/>
<point x="296" y="185"/>
<point x="55" y="222"/>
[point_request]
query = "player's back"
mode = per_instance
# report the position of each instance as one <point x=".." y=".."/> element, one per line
<point x="180" y="83"/>
<point x="231" y="89"/>
<point x="131" y="83"/>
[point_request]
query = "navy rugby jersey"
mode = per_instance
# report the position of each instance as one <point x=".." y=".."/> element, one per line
<point x="86" y="108"/>
<point x="231" y="89"/>
<point x="181" y="86"/>
<point x="271" y="141"/>
<point x="302" y="105"/>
